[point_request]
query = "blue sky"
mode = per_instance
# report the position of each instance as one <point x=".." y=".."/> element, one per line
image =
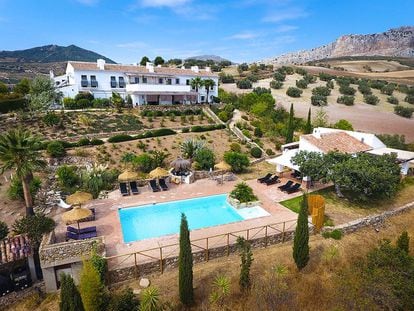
<point x="243" y="30"/>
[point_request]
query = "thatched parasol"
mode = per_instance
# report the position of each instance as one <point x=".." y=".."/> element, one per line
<point x="79" y="197"/>
<point x="158" y="173"/>
<point x="222" y="166"/>
<point x="76" y="214"/>
<point x="181" y="164"/>
<point x="128" y="176"/>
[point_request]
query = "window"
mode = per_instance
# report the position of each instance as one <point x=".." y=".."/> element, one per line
<point x="94" y="83"/>
<point x="136" y="80"/>
<point x="113" y="81"/>
<point x="121" y="82"/>
<point x="187" y="82"/>
<point x="177" y="81"/>
<point x="202" y="98"/>
<point x="160" y="81"/>
<point x="144" y="80"/>
<point x="169" y="82"/>
<point x="84" y="81"/>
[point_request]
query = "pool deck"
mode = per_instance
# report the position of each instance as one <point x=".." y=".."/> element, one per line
<point x="108" y="223"/>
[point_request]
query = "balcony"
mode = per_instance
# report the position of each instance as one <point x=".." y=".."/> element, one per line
<point x="158" y="88"/>
<point x="84" y="83"/>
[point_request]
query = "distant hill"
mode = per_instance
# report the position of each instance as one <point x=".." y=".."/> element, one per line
<point x="215" y="58"/>
<point x="51" y="54"/>
<point x="398" y="42"/>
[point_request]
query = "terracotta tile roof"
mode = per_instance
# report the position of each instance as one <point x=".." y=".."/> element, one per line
<point x="337" y="141"/>
<point x="142" y="69"/>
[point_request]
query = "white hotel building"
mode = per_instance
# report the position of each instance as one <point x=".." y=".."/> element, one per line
<point x="145" y="84"/>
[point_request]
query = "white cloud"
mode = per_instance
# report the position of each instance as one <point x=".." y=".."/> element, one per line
<point x="283" y="15"/>
<point x="285" y="28"/>
<point x="132" y="45"/>
<point x="164" y="3"/>
<point x="88" y="2"/>
<point x="246" y="35"/>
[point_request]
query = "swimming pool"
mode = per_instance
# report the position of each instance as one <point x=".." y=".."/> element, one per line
<point x="155" y="220"/>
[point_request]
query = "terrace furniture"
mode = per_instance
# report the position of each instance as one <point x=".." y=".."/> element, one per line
<point x="64" y="205"/>
<point x="296" y="174"/>
<point x="123" y="188"/>
<point x="81" y="231"/>
<point x="272" y="181"/>
<point x="293" y="189"/>
<point x="134" y="187"/>
<point x="162" y="183"/>
<point x="286" y="186"/>
<point x="82" y="236"/>
<point x="154" y="186"/>
<point x="265" y="178"/>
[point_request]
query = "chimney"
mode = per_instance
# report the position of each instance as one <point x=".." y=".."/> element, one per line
<point x="195" y="69"/>
<point x="208" y="69"/>
<point x="150" y="66"/>
<point x="101" y="64"/>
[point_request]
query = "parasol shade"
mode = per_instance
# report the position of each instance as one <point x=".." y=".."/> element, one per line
<point x="79" y="197"/>
<point x="128" y="176"/>
<point x="222" y="166"/>
<point x="158" y="172"/>
<point x="181" y="164"/>
<point x="76" y="214"/>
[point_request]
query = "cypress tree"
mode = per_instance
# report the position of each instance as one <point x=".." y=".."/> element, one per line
<point x="290" y="126"/>
<point x="403" y="242"/>
<point x="70" y="299"/>
<point x="185" y="263"/>
<point x="308" y="126"/>
<point x="246" y="257"/>
<point x="91" y="288"/>
<point x="301" y="240"/>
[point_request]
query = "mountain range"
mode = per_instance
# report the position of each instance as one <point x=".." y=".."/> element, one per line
<point x="397" y="42"/>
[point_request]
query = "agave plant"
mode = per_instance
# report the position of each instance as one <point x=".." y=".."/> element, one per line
<point x="190" y="147"/>
<point x="150" y="299"/>
<point x="221" y="289"/>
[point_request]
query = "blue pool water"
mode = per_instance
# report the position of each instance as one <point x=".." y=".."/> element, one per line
<point x="155" y="220"/>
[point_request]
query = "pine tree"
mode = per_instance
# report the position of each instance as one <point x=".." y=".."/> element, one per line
<point x="246" y="257"/>
<point x="185" y="262"/>
<point x="403" y="242"/>
<point x="308" y="126"/>
<point x="301" y="240"/>
<point x="70" y="299"/>
<point x="290" y="126"/>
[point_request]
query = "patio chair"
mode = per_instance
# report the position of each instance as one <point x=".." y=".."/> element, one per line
<point x="293" y="189"/>
<point x="265" y="178"/>
<point x="272" y="181"/>
<point x="82" y="236"/>
<point x="63" y="204"/>
<point x="124" y="189"/>
<point x="81" y="231"/>
<point x="154" y="186"/>
<point x="134" y="187"/>
<point x="286" y="186"/>
<point x="162" y="183"/>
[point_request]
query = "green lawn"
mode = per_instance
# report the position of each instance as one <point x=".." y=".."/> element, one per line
<point x="293" y="204"/>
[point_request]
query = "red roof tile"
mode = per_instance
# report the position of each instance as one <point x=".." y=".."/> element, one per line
<point x="337" y="141"/>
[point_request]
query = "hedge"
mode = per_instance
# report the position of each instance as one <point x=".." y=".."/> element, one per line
<point x="206" y="128"/>
<point x="120" y="138"/>
<point x="171" y="112"/>
<point x="7" y="105"/>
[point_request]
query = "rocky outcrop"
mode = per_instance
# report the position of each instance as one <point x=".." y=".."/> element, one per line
<point x="398" y="42"/>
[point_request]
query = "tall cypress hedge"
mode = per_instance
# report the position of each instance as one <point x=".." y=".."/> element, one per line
<point x="185" y="262"/>
<point x="70" y="299"/>
<point x="301" y="240"/>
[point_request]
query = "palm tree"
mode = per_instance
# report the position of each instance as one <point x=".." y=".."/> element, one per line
<point x="196" y="84"/>
<point x="209" y="84"/>
<point x="18" y="152"/>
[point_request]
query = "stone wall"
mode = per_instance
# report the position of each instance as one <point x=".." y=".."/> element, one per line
<point x="55" y="254"/>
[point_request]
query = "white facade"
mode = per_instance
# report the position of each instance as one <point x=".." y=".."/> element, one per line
<point x="145" y="84"/>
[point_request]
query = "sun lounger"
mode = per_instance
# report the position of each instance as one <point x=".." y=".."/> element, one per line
<point x="134" y="187"/>
<point x="81" y="231"/>
<point x="63" y="204"/>
<point x="272" y="181"/>
<point x="265" y="178"/>
<point x="286" y="186"/>
<point x="293" y="189"/>
<point x="162" y="183"/>
<point x="123" y="188"/>
<point x="154" y="186"/>
<point x="82" y="236"/>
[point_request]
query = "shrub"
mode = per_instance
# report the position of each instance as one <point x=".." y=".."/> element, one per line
<point x="4" y="230"/>
<point x="405" y="112"/>
<point x="252" y="77"/>
<point x="120" y="138"/>
<point x="346" y="100"/>
<point x="15" y="191"/>
<point x="279" y="76"/>
<point x="83" y="103"/>
<point x="270" y="152"/>
<point x="91" y="288"/>
<point x="274" y="84"/>
<point x="51" y="119"/>
<point x="294" y="92"/>
<point x="204" y="159"/>
<point x="258" y="132"/>
<point x="392" y="100"/>
<point x="256" y="152"/>
<point x="371" y="99"/>
<point x="388" y="89"/>
<point x="319" y="100"/>
<point x="96" y="142"/>
<point x="101" y="103"/>
<point x="261" y="90"/>
<point x="364" y="89"/>
<point x="100" y="264"/>
<point x="8" y="104"/>
<point x="83" y="142"/>
<point x="67" y="176"/>
<point x="223" y="116"/>
<point x="409" y="99"/>
<point x="238" y="161"/>
<point x="321" y="90"/>
<point x="84" y="95"/>
<point x="287" y="70"/>
<point x="326" y="77"/>
<point x="335" y="234"/>
<point x="247" y="133"/>
<point x="243" y="192"/>
<point x="330" y="84"/>
<point x="206" y="128"/>
<point x="185" y="130"/>
<point x="309" y="78"/>
<point x="343" y="125"/>
<point x="346" y="90"/>
<point x="377" y="84"/>
<point x="226" y="78"/>
<point x="56" y="149"/>
<point x="235" y="147"/>
<point x="300" y="71"/>
<point x="70" y="299"/>
<point x="124" y="301"/>
<point x="302" y="84"/>
<point x="244" y="84"/>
